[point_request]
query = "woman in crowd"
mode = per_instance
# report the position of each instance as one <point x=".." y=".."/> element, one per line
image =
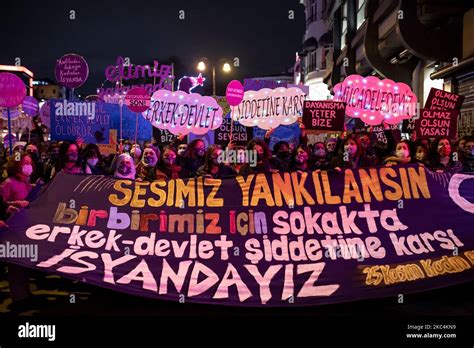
<point x="193" y="158"/>
<point x="421" y="153"/>
<point x="50" y="163"/>
<point x="440" y="157"/>
<point x="300" y="159"/>
<point x="320" y="158"/>
<point x="136" y="153"/>
<point x="213" y="166"/>
<point x="351" y="155"/>
<point x="32" y="151"/>
<point x="17" y="187"/>
<point x="468" y="157"/>
<point x="93" y="160"/>
<point x="69" y="161"/>
<point x="146" y="169"/>
<point x="281" y="158"/>
<point x="167" y="168"/>
<point x="401" y="156"/>
<point x="262" y="164"/>
<point x="331" y="148"/>
<point x="125" y="167"/>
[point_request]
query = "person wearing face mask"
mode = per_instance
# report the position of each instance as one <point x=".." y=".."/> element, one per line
<point x="332" y="148"/>
<point x="50" y="163"/>
<point x="69" y="161"/>
<point x="468" y="157"/>
<point x="440" y="157"/>
<point x="320" y="158"/>
<point x="213" y="167"/>
<point x="402" y="155"/>
<point x="421" y="153"/>
<point x="17" y="187"/>
<point x="281" y="158"/>
<point x="125" y="167"/>
<point x="262" y="165"/>
<point x="167" y="168"/>
<point x="136" y="153"/>
<point x="300" y="159"/>
<point x="146" y="169"/>
<point x="193" y="158"/>
<point x="351" y="155"/>
<point x="32" y="150"/>
<point x="93" y="160"/>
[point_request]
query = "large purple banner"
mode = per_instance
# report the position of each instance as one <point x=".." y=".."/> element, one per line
<point x="262" y="240"/>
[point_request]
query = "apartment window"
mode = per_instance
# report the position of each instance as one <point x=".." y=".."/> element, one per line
<point x="361" y="12"/>
<point x="312" y="12"/>
<point x="344" y="24"/>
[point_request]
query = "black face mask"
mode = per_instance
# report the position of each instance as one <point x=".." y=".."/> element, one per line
<point x="34" y="156"/>
<point x="283" y="154"/>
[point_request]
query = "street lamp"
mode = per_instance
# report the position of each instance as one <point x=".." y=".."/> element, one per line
<point x="225" y="68"/>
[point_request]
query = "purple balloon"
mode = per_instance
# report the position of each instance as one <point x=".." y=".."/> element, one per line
<point x="12" y="90"/>
<point x="71" y="70"/>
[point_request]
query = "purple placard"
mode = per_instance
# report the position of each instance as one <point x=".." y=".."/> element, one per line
<point x="12" y="90"/>
<point x="45" y="114"/>
<point x="30" y="106"/>
<point x="71" y="70"/>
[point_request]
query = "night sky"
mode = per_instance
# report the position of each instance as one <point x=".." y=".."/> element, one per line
<point x="258" y="32"/>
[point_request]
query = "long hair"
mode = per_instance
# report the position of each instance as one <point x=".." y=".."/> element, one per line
<point x="257" y="141"/>
<point x="208" y="159"/>
<point x="190" y="149"/>
<point x="14" y="167"/>
<point x="433" y="154"/>
<point x="62" y="158"/>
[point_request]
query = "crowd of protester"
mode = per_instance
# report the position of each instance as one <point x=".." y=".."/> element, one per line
<point x="31" y="166"/>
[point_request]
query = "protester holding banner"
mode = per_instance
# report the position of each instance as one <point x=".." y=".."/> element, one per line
<point x="421" y="153"/>
<point x="402" y="155"/>
<point x="320" y="159"/>
<point x="125" y="167"/>
<point x="69" y="160"/>
<point x="93" y="160"/>
<point x="167" y="169"/>
<point x="16" y="188"/>
<point x="136" y="153"/>
<point x="213" y="167"/>
<point x="50" y="164"/>
<point x="282" y="157"/>
<point x="193" y="158"/>
<point x="440" y="157"/>
<point x="300" y="159"/>
<point x="332" y="147"/>
<point x="468" y="157"/>
<point x="351" y="155"/>
<point x="146" y="169"/>
<point x="32" y="151"/>
<point x="263" y="158"/>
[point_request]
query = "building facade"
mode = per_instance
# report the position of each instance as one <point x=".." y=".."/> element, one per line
<point x="317" y="48"/>
<point x="423" y="43"/>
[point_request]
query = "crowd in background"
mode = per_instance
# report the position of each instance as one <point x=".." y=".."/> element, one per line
<point x="34" y="164"/>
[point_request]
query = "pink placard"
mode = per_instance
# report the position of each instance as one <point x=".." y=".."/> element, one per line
<point x="138" y="99"/>
<point x="12" y="90"/>
<point x="234" y="92"/>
